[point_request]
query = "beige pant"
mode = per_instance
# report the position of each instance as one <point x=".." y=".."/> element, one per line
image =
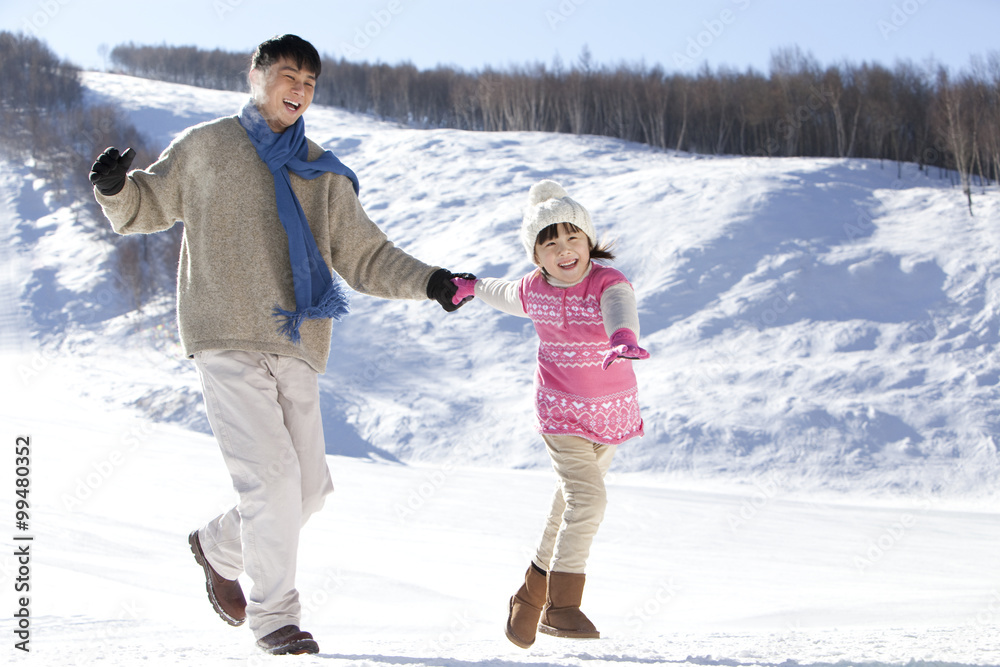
<point x="265" y="413"/>
<point x="578" y="503"/>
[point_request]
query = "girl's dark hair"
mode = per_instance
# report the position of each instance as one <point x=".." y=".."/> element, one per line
<point x="600" y="251"/>
<point x="292" y="47"/>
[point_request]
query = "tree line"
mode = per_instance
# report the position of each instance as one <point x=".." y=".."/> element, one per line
<point x="45" y="124"/>
<point x="925" y="115"/>
<point x="908" y="113"/>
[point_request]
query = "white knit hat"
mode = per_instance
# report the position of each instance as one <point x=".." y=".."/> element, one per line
<point x="549" y="204"/>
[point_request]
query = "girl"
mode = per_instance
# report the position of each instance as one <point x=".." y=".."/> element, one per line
<point x="586" y="399"/>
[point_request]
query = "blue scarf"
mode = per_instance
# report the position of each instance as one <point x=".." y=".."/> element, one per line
<point x="317" y="295"/>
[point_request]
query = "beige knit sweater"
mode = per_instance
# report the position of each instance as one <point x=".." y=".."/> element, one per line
<point x="234" y="265"/>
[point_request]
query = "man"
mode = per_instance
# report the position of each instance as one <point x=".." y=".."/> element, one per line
<point x="266" y="212"/>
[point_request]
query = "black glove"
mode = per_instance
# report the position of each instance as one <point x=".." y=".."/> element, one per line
<point x="109" y="172"/>
<point x="441" y="289"/>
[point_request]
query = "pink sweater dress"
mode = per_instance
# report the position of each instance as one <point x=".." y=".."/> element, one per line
<point x="573" y="396"/>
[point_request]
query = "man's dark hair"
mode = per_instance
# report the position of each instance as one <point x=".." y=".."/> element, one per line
<point x="292" y="47"/>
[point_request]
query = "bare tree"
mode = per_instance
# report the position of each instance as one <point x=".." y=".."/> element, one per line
<point x="955" y="121"/>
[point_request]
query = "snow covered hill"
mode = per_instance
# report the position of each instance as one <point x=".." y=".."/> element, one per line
<point x="817" y="484"/>
<point x="815" y="319"/>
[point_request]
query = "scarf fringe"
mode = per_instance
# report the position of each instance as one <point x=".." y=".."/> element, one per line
<point x="334" y="304"/>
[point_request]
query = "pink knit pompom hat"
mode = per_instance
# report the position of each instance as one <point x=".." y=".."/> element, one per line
<point x="548" y="204"/>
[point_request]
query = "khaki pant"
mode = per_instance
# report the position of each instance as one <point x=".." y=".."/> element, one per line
<point x="578" y="502"/>
<point x="265" y="413"/>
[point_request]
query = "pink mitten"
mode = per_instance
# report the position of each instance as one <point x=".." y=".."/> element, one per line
<point x="466" y="289"/>
<point x="624" y="345"/>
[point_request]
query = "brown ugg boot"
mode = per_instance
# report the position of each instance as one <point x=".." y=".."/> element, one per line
<point x="526" y="607"/>
<point x="561" y="616"/>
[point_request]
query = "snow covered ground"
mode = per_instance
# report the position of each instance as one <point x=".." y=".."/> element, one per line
<point x="413" y="564"/>
<point x="817" y="485"/>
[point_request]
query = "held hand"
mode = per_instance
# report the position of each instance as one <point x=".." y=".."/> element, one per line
<point x="441" y="289"/>
<point x="624" y="346"/>
<point x="466" y="290"/>
<point x="110" y="170"/>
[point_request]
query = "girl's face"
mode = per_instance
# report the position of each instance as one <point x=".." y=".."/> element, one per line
<point x="566" y="256"/>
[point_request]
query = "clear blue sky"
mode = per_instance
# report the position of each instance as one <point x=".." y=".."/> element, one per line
<point x="471" y="34"/>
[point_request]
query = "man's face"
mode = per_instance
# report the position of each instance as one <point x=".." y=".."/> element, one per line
<point x="283" y="93"/>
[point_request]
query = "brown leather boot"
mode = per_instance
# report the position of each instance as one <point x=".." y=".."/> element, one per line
<point x="526" y="607"/>
<point x="561" y="616"/>
<point x="288" y="640"/>
<point x="226" y="596"/>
